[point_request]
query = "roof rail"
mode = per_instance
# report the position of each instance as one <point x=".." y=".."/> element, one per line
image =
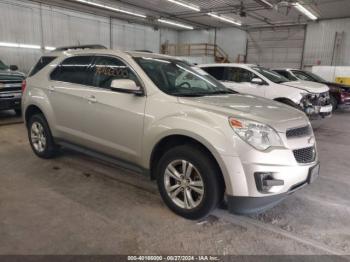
<point x="65" y="48"/>
<point x="143" y="51"/>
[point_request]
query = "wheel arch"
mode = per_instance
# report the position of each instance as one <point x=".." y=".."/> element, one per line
<point x="285" y="100"/>
<point x="30" y="111"/>
<point x="171" y="141"/>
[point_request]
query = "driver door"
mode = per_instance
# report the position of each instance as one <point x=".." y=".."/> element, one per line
<point x="116" y="118"/>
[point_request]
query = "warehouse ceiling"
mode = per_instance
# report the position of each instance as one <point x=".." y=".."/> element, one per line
<point x="250" y="13"/>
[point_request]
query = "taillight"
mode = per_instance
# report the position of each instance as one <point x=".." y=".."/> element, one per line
<point x="24" y="85"/>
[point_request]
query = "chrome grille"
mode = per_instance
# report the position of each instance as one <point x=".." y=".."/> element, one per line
<point x="321" y="99"/>
<point x="305" y="155"/>
<point x="10" y="85"/>
<point x="299" y="132"/>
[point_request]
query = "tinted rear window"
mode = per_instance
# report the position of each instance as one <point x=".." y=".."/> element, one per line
<point x="75" y="70"/>
<point x="43" y="61"/>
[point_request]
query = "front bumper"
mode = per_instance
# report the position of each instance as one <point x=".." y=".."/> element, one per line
<point x="245" y="205"/>
<point x="10" y="100"/>
<point x="319" y="112"/>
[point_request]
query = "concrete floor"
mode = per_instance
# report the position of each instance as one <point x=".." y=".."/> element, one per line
<point x="76" y="205"/>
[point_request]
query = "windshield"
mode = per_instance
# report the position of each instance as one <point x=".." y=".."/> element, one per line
<point x="271" y="75"/>
<point x="3" y="66"/>
<point x="309" y="76"/>
<point x="178" y="78"/>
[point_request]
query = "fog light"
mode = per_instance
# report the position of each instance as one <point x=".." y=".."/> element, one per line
<point x="265" y="181"/>
<point x="311" y="111"/>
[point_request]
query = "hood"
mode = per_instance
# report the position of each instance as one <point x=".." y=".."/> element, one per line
<point x="311" y="87"/>
<point x="266" y="111"/>
<point x="9" y="75"/>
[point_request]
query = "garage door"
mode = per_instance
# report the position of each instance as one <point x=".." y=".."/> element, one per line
<point x="276" y="48"/>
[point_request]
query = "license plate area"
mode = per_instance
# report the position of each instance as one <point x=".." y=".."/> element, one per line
<point x="326" y="109"/>
<point x="314" y="173"/>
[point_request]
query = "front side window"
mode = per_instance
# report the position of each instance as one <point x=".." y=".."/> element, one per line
<point x="75" y="70"/>
<point x="271" y="75"/>
<point x="177" y="78"/>
<point x="245" y="76"/>
<point x="232" y="74"/>
<point x="106" y="69"/>
<point x="239" y="75"/>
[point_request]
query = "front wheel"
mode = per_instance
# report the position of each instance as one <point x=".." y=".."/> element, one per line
<point x="334" y="103"/>
<point x="189" y="182"/>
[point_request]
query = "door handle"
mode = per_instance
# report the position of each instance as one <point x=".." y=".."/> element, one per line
<point x="51" y="89"/>
<point x="92" y="99"/>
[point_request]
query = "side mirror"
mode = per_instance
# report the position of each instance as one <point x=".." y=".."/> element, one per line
<point x="126" y="86"/>
<point x="13" y="67"/>
<point x="257" y="81"/>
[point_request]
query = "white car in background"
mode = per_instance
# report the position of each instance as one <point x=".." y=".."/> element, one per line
<point x="312" y="98"/>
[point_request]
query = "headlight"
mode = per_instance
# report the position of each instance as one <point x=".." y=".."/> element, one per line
<point x="256" y="134"/>
<point x="309" y="95"/>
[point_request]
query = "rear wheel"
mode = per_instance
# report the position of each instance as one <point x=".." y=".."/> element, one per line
<point x="40" y="137"/>
<point x="189" y="182"/>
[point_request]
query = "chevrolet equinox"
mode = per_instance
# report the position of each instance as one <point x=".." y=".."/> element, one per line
<point x="162" y="117"/>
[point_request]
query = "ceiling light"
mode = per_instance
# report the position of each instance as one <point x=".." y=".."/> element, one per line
<point x="29" y="46"/>
<point x="175" y="24"/>
<point x="190" y="6"/>
<point x="226" y="19"/>
<point x="111" y="8"/>
<point x="50" y="48"/>
<point x="8" y="44"/>
<point x="305" y="11"/>
<point x="3" y="44"/>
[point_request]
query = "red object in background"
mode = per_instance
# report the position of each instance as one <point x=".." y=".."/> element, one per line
<point x="24" y="85"/>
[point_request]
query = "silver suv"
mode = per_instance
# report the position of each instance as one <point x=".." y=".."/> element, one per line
<point x="173" y="122"/>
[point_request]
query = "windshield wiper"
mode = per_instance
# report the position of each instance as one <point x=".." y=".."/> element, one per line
<point x="222" y="92"/>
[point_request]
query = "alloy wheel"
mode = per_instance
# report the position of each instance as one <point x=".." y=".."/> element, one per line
<point x="38" y="137"/>
<point x="184" y="184"/>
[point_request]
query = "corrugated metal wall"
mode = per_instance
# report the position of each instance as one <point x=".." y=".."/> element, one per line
<point x="30" y="23"/>
<point x="320" y="46"/>
<point x="231" y="40"/>
<point x="276" y="48"/>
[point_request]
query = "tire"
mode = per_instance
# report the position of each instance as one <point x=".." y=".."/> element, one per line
<point x="204" y="172"/>
<point x="334" y="102"/>
<point x="40" y="137"/>
<point x="18" y="112"/>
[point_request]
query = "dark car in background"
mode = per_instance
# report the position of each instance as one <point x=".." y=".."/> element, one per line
<point x="339" y="93"/>
<point x="10" y="88"/>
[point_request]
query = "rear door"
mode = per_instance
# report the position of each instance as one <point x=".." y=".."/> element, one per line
<point x="69" y="92"/>
<point x="115" y="119"/>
